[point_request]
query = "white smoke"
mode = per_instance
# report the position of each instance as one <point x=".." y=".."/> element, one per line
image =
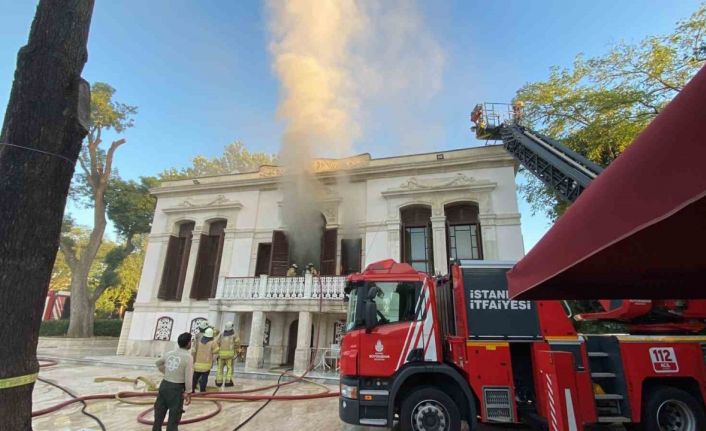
<point x="337" y="62"/>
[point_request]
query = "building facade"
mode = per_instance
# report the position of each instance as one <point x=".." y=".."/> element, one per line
<point x="219" y="250"/>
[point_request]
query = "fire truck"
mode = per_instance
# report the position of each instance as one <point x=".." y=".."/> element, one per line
<point x="433" y="352"/>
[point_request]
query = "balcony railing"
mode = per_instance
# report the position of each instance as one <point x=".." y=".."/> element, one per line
<point x="266" y="287"/>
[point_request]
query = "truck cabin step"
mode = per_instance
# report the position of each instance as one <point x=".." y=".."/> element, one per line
<point x="603" y="375"/>
<point x="602" y="397"/>
<point x="598" y="355"/>
<point x="613" y="419"/>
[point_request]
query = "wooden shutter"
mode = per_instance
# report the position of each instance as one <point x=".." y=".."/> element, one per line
<point x="328" y="252"/>
<point x="170" y="273"/>
<point x="218" y="254"/>
<point x="203" y="273"/>
<point x="279" y="258"/>
<point x="351" y="255"/>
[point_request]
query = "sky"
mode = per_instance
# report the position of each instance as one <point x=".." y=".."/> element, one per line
<point x="201" y="72"/>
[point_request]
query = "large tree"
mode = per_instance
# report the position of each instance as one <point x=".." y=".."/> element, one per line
<point x="236" y="158"/>
<point x="601" y="104"/>
<point x="97" y="167"/>
<point x="45" y="121"/>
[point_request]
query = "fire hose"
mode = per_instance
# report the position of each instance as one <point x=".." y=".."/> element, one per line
<point x="246" y="395"/>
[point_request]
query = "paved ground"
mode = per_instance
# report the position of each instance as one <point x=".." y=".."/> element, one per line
<point x="81" y="363"/>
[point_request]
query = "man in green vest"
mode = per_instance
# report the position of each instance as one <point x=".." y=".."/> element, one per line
<point x="228" y="345"/>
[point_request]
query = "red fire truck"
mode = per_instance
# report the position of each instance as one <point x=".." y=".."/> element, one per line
<point x="432" y="352"/>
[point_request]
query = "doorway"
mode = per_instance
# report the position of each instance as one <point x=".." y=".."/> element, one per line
<point x="292" y="341"/>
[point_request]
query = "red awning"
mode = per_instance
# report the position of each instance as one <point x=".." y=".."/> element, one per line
<point x="639" y="230"/>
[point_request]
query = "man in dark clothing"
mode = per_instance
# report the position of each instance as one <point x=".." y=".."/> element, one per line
<point x="175" y="389"/>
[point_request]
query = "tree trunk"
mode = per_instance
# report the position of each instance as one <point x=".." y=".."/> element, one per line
<point x="47" y="111"/>
<point x="81" y="320"/>
<point x="83" y="303"/>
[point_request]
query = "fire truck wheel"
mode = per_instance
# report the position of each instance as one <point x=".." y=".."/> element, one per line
<point x="429" y="409"/>
<point x="672" y="409"/>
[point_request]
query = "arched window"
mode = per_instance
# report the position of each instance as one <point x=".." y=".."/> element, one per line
<point x="463" y="231"/>
<point x="174" y="272"/>
<point x="163" y="330"/>
<point x="417" y="247"/>
<point x="208" y="262"/>
<point x="195" y="325"/>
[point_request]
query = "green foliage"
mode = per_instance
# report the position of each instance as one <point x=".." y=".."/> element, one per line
<point x="122" y="282"/>
<point x="53" y="328"/>
<point x="600" y="105"/>
<point x="236" y="158"/>
<point x="101" y="328"/>
<point x="130" y="206"/>
<point x="78" y="237"/>
<point x="107" y="327"/>
<point x="108" y="114"/>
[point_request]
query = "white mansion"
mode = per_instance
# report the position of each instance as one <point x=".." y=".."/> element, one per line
<point x="218" y="247"/>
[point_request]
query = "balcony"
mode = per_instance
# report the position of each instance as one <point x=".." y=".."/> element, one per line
<point x="287" y="288"/>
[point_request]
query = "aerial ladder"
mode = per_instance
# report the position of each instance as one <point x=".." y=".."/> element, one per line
<point x="568" y="173"/>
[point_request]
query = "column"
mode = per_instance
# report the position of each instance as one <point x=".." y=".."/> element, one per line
<point x="393" y="239"/>
<point x="303" y="352"/>
<point x="256" y="351"/>
<point x="214" y="315"/>
<point x="489" y="236"/>
<point x="438" y="229"/>
<point x="153" y="267"/>
<point x="191" y="266"/>
<point x="228" y="252"/>
<point x="277" y="338"/>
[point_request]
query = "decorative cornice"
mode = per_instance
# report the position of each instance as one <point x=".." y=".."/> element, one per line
<point x="192" y="205"/>
<point x="460" y="181"/>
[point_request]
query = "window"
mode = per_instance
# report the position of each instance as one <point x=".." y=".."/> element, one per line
<point x="463" y="232"/>
<point x="175" y="263"/>
<point x="396" y="301"/>
<point x="195" y="325"/>
<point x="163" y="330"/>
<point x="262" y="264"/>
<point x="351" y="250"/>
<point x="208" y="262"/>
<point x="417" y="244"/>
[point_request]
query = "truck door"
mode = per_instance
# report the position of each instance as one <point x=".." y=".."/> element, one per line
<point x="405" y="331"/>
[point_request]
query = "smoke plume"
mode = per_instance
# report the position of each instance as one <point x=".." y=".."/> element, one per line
<point x="336" y="59"/>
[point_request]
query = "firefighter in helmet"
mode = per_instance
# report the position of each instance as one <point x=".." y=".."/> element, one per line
<point x="292" y="271"/>
<point x="228" y="344"/>
<point x="517" y="106"/>
<point x="310" y="269"/>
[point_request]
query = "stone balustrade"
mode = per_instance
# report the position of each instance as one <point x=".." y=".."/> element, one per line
<point x="267" y="287"/>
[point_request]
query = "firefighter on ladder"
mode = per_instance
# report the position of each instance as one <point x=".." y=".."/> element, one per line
<point x="228" y="345"/>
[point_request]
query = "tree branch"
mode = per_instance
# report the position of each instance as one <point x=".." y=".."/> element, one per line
<point x="69" y="252"/>
<point x="109" y="159"/>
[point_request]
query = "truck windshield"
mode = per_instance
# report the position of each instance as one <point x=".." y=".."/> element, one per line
<point x="352" y="305"/>
<point x="395" y="300"/>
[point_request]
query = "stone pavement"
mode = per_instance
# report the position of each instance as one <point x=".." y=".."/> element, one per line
<point x="81" y="361"/>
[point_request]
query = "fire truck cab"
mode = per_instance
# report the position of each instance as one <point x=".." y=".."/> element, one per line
<point x="431" y="352"/>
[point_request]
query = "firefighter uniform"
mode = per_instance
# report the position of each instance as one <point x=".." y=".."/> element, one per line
<point x="228" y="345"/>
<point x="203" y="355"/>
<point x="292" y="271"/>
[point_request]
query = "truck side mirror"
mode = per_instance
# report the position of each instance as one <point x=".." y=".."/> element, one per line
<point x="371" y="317"/>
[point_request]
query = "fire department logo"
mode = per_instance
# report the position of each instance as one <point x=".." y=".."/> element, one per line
<point x="379" y="355"/>
<point x="173" y="363"/>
